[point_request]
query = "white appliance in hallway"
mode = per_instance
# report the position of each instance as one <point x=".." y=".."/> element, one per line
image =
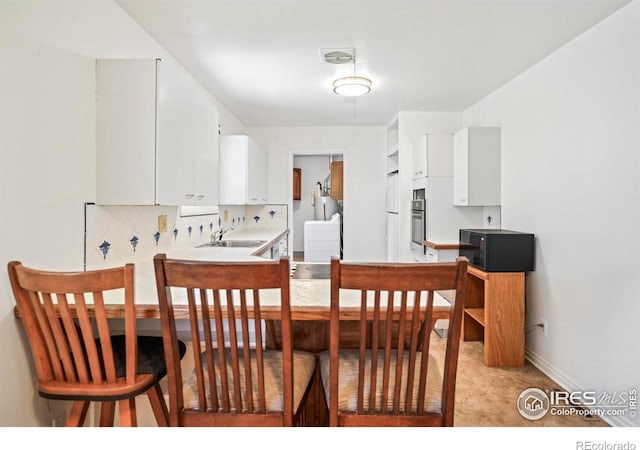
<point x="322" y="239"/>
<point x="391" y="217"/>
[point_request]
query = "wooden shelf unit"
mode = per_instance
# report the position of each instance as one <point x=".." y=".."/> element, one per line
<point x="494" y="314"/>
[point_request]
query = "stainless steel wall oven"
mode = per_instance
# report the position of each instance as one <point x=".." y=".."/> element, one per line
<point x="418" y="225"/>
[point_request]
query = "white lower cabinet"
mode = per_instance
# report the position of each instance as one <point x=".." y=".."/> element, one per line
<point x="277" y="250"/>
<point x="441" y="255"/>
<point x="284" y="247"/>
<point x="157" y="135"/>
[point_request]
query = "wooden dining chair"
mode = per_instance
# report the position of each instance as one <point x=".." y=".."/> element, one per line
<point x="76" y="357"/>
<point x="235" y="381"/>
<point x="393" y="378"/>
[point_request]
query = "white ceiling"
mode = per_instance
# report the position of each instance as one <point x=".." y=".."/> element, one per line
<point x="261" y="58"/>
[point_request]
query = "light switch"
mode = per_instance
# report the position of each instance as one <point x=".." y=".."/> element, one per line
<point x="225" y="213"/>
<point x="162" y="223"/>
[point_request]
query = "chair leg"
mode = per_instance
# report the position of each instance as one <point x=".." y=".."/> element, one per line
<point x="127" y="412"/>
<point x="107" y="413"/>
<point x="158" y="405"/>
<point x="78" y="414"/>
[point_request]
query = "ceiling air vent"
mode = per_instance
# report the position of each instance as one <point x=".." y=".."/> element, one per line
<point x="337" y="55"/>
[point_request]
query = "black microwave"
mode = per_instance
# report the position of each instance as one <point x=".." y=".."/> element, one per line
<point x="494" y="250"/>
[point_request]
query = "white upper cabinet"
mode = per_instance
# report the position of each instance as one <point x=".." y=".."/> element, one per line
<point x="243" y="171"/>
<point x="433" y="155"/>
<point x="187" y="130"/>
<point x="125" y="132"/>
<point x="476" y="166"/>
<point x="157" y="136"/>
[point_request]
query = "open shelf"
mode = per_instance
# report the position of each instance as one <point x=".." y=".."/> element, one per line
<point x="476" y="314"/>
<point x="494" y="315"/>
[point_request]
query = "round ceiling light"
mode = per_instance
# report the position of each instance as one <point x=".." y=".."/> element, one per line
<point x="352" y="86"/>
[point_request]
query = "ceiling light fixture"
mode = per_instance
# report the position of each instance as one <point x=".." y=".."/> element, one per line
<point x="352" y="86"/>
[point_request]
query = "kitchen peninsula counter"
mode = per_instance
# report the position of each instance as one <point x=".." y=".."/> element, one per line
<point x="212" y="253"/>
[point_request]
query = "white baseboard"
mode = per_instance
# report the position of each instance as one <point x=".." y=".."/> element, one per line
<point x="569" y="385"/>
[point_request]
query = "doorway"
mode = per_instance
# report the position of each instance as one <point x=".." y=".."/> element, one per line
<point x="315" y="203"/>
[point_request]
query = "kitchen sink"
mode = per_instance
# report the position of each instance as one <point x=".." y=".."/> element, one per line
<point x="233" y="243"/>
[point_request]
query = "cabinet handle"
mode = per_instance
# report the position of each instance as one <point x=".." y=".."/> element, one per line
<point x="188" y="196"/>
<point x="199" y="197"/>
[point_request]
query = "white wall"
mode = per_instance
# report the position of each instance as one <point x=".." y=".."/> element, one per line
<point x="571" y="175"/>
<point x="364" y="174"/>
<point x="47" y="154"/>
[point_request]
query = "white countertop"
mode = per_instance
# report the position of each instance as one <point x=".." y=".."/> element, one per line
<point x="271" y="235"/>
<point x="303" y="292"/>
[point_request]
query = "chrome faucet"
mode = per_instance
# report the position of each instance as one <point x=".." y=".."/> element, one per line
<point x="217" y="236"/>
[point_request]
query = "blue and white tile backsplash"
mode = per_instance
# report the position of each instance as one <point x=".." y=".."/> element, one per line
<point x="117" y="235"/>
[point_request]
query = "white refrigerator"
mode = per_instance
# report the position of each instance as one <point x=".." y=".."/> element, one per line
<point x="391" y="217"/>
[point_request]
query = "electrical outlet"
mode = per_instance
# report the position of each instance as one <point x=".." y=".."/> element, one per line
<point x="544" y="327"/>
<point x="225" y="214"/>
<point x="162" y="223"/>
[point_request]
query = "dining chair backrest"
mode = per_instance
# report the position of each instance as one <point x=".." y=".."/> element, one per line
<point x="75" y="354"/>
<point x="395" y="378"/>
<point x="235" y="380"/>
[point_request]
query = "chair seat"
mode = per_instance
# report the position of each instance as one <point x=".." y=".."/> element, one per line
<point x="303" y="364"/>
<point x="150" y="355"/>
<point x="151" y="361"/>
<point x="348" y="380"/>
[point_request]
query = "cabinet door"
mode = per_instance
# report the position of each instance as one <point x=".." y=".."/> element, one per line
<point x="243" y="171"/>
<point x="125" y="131"/>
<point x="233" y="170"/>
<point x="283" y="247"/>
<point x="177" y="137"/>
<point x="431" y="255"/>
<point x="187" y="158"/>
<point x="420" y="157"/>
<point x="461" y="168"/>
<point x="256" y="175"/>
<point x="476" y="167"/>
<point x="433" y="155"/>
<point x="439" y="151"/>
<point x="207" y="155"/>
<point x="484" y="166"/>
